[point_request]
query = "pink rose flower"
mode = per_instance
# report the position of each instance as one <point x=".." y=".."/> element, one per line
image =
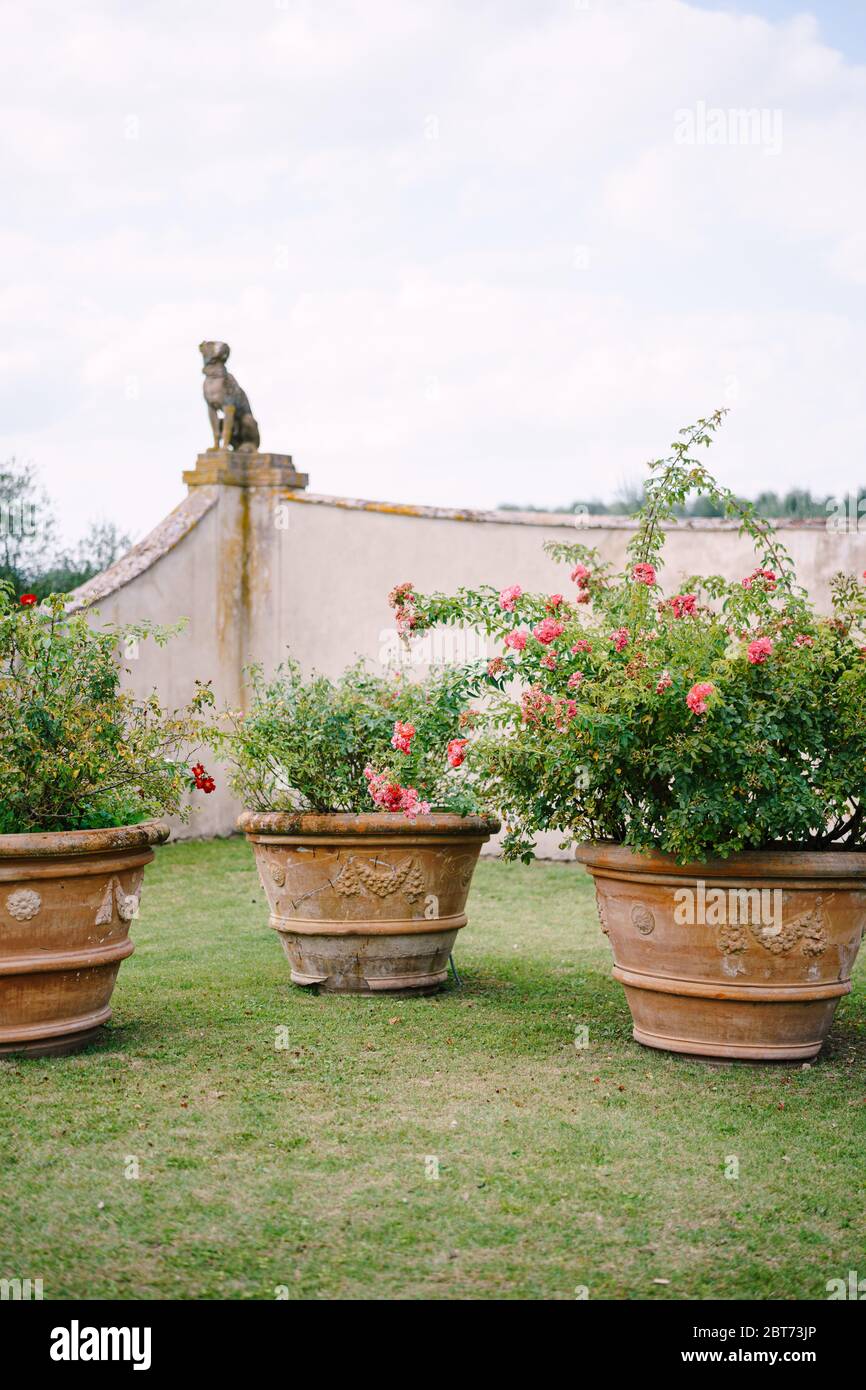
<point x="683" y="604"/>
<point x="517" y="640"/>
<point x="644" y="574"/>
<point x="697" y="696"/>
<point x="582" y="596"/>
<point x="619" y="637"/>
<point x="402" y="737"/>
<point x="804" y="640"/>
<point x="548" y="630"/>
<point x="574" y="680"/>
<point x="768" y="576"/>
<point x="411" y="805"/>
<point x="390" y="796"/>
<point x="384" y="793"/>
<point x="508" y="598"/>
<point x="456" y="751"/>
<point x="759" y="650"/>
<point x="582" y="646"/>
<point x="549" y="661"/>
<point x="580" y="575"/>
<point x="533" y="703"/>
<point x="664" y="682"/>
<point x="402" y="600"/>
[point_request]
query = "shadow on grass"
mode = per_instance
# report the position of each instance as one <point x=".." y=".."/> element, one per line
<point x="525" y="1006"/>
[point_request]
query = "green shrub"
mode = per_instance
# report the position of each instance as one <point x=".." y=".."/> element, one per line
<point x="325" y="745"/>
<point x="77" y="751"/>
<point x="725" y="717"/>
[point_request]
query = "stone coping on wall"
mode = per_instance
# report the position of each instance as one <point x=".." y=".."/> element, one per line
<point x="202" y="497"/>
<point x="567" y="520"/>
<point x="163" y="538"/>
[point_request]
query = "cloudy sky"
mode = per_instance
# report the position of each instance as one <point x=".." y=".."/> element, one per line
<point x="464" y="251"/>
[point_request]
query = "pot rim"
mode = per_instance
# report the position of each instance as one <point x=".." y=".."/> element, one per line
<point x="612" y="855"/>
<point x="46" y="844"/>
<point x="366" y="823"/>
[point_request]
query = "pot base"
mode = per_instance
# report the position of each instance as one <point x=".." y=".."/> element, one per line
<point x="416" y="963"/>
<point x="398" y="989"/>
<point x="733" y="1023"/>
<point x="51" y="1047"/>
<point x="721" y="1052"/>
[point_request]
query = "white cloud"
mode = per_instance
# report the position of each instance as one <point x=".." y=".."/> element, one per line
<point x="457" y="250"/>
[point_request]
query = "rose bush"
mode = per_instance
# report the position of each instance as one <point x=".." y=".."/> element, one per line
<point x="728" y="715"/>
<point x="361" y="743"/>
<point x="77" y="751"/>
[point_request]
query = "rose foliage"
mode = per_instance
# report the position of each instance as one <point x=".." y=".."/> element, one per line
<point x="725" y="716"/>
<point x="77" y="751"/>
<point x="364" y="742"/>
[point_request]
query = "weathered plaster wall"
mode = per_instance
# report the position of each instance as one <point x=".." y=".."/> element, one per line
<point x="256" y="570"/>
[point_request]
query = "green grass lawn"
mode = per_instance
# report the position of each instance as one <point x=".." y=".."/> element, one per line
<point x="306" y="1166"/>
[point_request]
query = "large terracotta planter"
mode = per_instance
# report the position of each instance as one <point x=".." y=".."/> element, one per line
<point x="755" y="978"/>
<point x="66" y="902"/>
<point x="370" y="903"/>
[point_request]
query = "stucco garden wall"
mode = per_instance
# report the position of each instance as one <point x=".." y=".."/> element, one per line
<point x="256" y="569"/>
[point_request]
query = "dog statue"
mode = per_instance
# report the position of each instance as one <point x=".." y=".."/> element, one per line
<point x="228" y="409"/>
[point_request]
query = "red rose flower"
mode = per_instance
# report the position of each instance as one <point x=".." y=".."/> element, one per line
<point x="203" y="781"/>
<point x="456" y="753"/>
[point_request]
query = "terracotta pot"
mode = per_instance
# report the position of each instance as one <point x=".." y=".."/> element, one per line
<point x="66" y="902"/>
<point x="370" y="903"/>
<point x="756" y="977"/>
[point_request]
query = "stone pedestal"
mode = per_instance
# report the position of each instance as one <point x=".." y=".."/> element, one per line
<point x="241" y="469"/>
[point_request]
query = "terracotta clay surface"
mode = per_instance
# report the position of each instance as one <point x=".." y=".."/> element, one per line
<point x="66" y="903"/>
<point x="371" y="903"/>
<point x="753" y="978"/>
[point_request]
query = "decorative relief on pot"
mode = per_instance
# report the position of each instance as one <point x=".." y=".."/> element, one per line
<point x="809" y="931"/>
<point x="105" y="911"/>
<point x="643" y="919"/>
<point x="23" y="904"/>
<point x="277" y="873"/>
<point x="460" y="867"/>
<point x="127" y="903"/>
<point x="732" y="967"/>
<point x="383" y="881"/>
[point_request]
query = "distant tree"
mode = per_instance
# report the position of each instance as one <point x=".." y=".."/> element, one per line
<point x="27" y="526"/>
<point x="31" y="558"/>
<point x="797" y="503"/>
<point x="99" y="547"/>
